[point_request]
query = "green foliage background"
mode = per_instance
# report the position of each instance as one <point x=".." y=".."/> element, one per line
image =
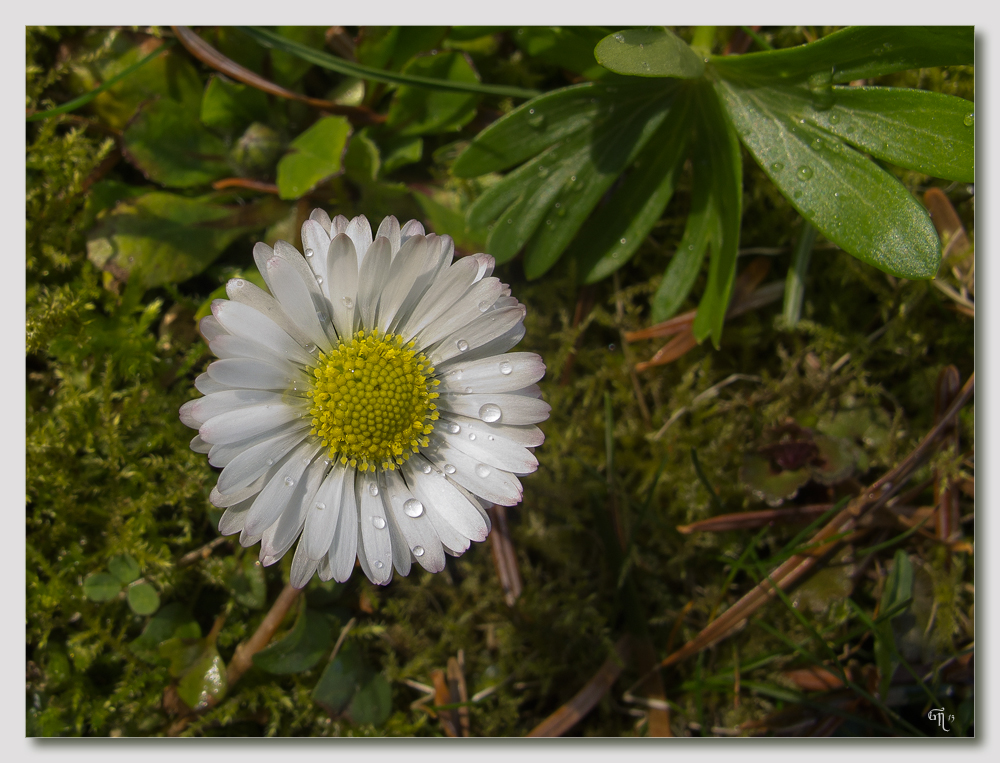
<point x="127" y="242"/>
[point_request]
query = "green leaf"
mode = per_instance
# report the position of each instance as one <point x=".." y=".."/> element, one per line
<point x="613" y="233"/>
<point x="372" y="702"/>
<point x="419" y="111"/>
<point x="287" y="68"/>
<point x="649" y="53"/>
<point x="257" y="151"/>
<point x="314" y="156"/>
<point x="856" y="53"/>
<point x="248" y="585"/>
<point x="391" y="47"/>
<point x="340" y="680"/>
<point x="897" y="592"/>
<point x="899" y="585"/>
<point x="929" y="132"/>
<point x="399" y="151"/>
<point x="171" y="147"/>
<point x="851" y="200"/>
<point x="325" y="60"/>
<point x="569" y="48"/>
<point x="717" y="156"/>
<point x="100" y="586"/>
<point x="163" y="238"/>
<point x="362" y="161"/>
<point x="204" y="680"/>
<point x="173" y="620"/>
<point x="125" y="568"/>
<point x="301" y="648"/>
<point x="229" y="107"/>
<point x="143" y="599"/>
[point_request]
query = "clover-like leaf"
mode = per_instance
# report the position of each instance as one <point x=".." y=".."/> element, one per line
<point x="143" y="599"/>
<point x="125" y="568"/>
<point x="101" y="586"/>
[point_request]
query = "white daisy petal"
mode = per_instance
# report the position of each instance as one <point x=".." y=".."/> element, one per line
<point x="376" y="543"/>
<point x="321" y="517"/>
<point x="499" y="373"/>
<point x="477" y="440"/>
<point x="327" y="419"/>
<point x="409" y="516"/>
<point x="361" y="234"/>
<point x="342" y="269"/>
<point x="374" y="272"/>
<point x="506" y="408"/>
<point x="481" y="330"/>
<point x="493" y="484"/>
<point x="344" y="549"/>
<point x="389" y="228"/>
<point x="315" y="245"/>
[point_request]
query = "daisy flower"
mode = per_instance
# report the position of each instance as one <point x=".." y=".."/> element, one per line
<point x="367" y="406"/>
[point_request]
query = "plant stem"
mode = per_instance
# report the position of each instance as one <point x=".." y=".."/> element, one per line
<point x="795" y="283"/>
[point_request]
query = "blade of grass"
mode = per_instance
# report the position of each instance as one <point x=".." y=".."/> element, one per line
<point x="714" y="497"/>
<point x="270" y="39"/>
<point x="86" y="98"/>
<point x="795" y="283"/>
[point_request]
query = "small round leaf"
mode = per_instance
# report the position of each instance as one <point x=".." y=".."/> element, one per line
<point x="143" y="599"/>
<point x="100" y="586"/>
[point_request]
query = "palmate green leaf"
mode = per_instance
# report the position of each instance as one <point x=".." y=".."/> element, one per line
<point x="171" y="146"/>
<point x="654" y="52"/>
<point x="929" y="132"/>
<point x="163" y="238"/>
<point x="855" y="53"/>
<point x="273" y="40"/>
<point x="612" y="234"/>
<point x="301" y="648"/>
<point x="717" y="153"/>
<point x="313" y="156"/>
<point x="851" y="200"/>
<point x="419" y="111"/>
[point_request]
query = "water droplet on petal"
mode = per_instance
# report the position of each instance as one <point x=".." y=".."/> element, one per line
<point x="347" y="302"/>
<point x="379" y="565"/>
<point x="270" y="462"/>
<point x="379" y="523"/>
<point x="319" y="279"/>
<point x="449" y="469"/>
<point x="483" y="470"/>
<point x="472" y="435"/>
<point x="506" y="367"/>
<point x="413" y="508"/>
<point x="490" y="413"/>
<point x="373" y="489"/>
<point x="804" y="172"/>
<point x="462" y="345"/>
<point x="309" y="252"/>
<point x="491" y="438"/>
<point x="454" y="428"/>
<point x="484" y="306"/>
<point x="289" y="481"/>
<point x="418" y="551"/>
<point x="320" y="506"/>
<point x="426" y="468"/>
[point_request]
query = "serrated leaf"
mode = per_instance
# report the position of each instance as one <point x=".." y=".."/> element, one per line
<point x="654" y="52"/>
<point x="717" y="156"/>
<point x="856" y="53"/>
<point x="372" y="703"/>
<point x="313" y="156"/>
<point x="851" y="200"/>
<point x="164" y="238"/>
<point x="143" y="599"/>
<point x="301" y="648"/>
<point x="173" y="620"/>
<point x="171" y="146"/>
<point x="612" y="235"/>
<point x="125" y="568"/>
<point x="230" y="107"/>
<point x="101" y="586"/>
<point x="419" y="111"/>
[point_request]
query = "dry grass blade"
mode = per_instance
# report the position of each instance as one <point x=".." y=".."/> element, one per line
<point x="442" y="696"/>
<point x="205" y="53"/>
<point x="250" y="185"/>
<point x="846" y="521"/>
<point x="749" y="520"/>
<point x="567" y="716"/>
<point x="458" y="690"/>
<point x="946" y="493"/>
<point x="504" y="556"/>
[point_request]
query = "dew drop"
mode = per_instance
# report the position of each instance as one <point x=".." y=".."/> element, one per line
<point x="320" y="506"/>
<point x="418" y="551"/>
<point x="558" y="205"/>
<point x="319" y="280"/>
<point x="970" y="119"/>
<point x="426" y="468"/>
<point x="323" y="317"/>
<point x="572" y="178"/>
<point x="379" y="565"/>
<point x="611" y="347"/>
<point x="482" y="470"/>
<point x="505" y="367"/>
<point x="834" y="119"/>
<point x="270" y="462"/>
<point x="462" y="345"/>
<point x="621" y="241"/>
<point x="449" y="469"/>
<point x="472" y="435"/>
<point x="490" y="413"/>
<point x="509" y="221"/>
<point x="620" y="37"/>
<point x="817" y="144"/>
<point x="804" y="172"/>
<point x="491" y="438"/>
<point x="309" y="252"/>
<point x="777" y="166"/>
<point x="289" y="481"/>
<point x="373" y="489"/>
<point x="454" y="428"/>
<point x="413" y="508"/>
<point x="379" y="523"/>
<point x="347" y="302"/>
<point x="484" y="306"/>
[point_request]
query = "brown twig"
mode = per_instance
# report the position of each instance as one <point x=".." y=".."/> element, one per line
<point x="243" y="656"/>
<point x="205" y="53"/>
<point x="201" y="553"/>
<point x="749" y="520"/>
<point x="504" y="556"/>
<point x="251" y="185"/>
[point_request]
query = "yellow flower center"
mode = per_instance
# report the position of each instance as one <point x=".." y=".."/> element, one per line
<point x="371" y="401"/>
